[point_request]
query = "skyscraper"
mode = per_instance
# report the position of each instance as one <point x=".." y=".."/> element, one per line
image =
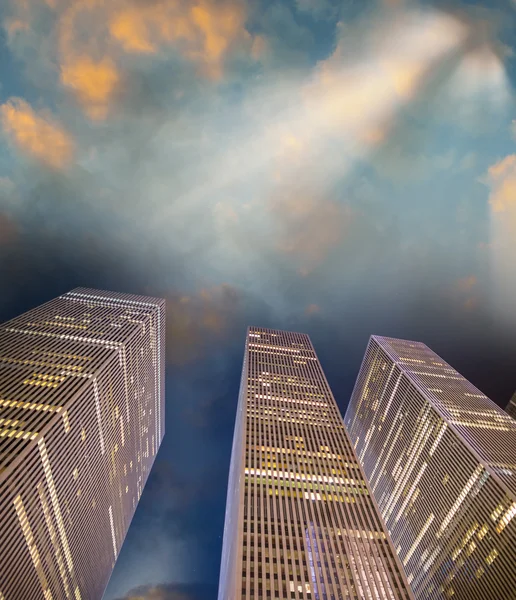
<point x="511" y="406"/>
<point x="81" y="421"/>
<point x="441" y="460"/>
<point x="300" y="520"/>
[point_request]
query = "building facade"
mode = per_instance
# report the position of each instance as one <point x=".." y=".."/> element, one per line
<point x="441" y="461"/>
<point x="511" y="406"/>
<point x="81" y="421"/>
<point x="300" y="519"/>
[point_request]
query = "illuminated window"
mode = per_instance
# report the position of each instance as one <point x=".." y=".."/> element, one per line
<point x="66" y="421"/>
<point x="482" y="532"/>
<point x="507" y="517"/>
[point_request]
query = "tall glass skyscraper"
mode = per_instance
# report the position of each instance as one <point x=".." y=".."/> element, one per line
<point x="300" y="519"/>
<point x="441" y="460"/>
<point x="511" y="406"/>
<point x="81" y="420"/>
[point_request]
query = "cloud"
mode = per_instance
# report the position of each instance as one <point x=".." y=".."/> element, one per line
<point x="309" y="225"/>
<point x="87" y="64"/>
<point x="350" y="105"/>
<point x="479" y="86"/>
<point x="259" y="47"/>
<point x="345" y="110"/>
<point x="284" y="42"/>
<point x="303" y="151"/>
<point x="318" y="9"/>
<point x="12" y="26"/>
<point x="195" y="320"/>
<point x="36" y="134"/>
<point x="203" y="32"/>
<point x="97" y="46"/>
<point x="466" y="291"/>
<point x="394" y="59"/>
<point x="501" y="178"/>
<point x="131" y="27"/>
<point x="312" y="309"/>
<point x="225" y="214"/>
<point x="466" y="284"/>
<point x="94" y="83"/>
<point x="478" y="82"/>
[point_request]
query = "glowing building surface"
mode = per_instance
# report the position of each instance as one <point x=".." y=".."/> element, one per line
<point x="81" y="421"/>
<point x="300" y="520"/>
<point x="441" y="460"/>
<point x="511" y="407"/>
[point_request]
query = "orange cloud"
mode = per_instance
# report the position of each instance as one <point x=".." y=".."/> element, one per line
<point x="203" y="32"/>
<point x="502" y="180"/>
<point x="219" y="26"/>
<point x="36" y="134"/>
<point x="87" y="64"/>
<point x="465" y="292"/>
<point x="130" y="28"/>
<point x="195" y="319"/>
<point x="92" y="35"/>
<point x="312" y="309"/>
<point x="94" y="83"/>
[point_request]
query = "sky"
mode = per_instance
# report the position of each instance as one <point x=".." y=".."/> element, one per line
<point x="340" y="168"/>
